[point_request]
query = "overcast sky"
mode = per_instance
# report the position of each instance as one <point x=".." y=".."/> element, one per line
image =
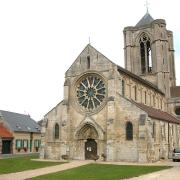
<point x="40" y="39"/>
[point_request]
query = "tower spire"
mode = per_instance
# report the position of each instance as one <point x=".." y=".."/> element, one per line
<point x="147" y="6"/>
<point x="89" y="40"/>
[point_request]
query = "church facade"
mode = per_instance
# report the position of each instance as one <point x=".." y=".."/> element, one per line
<point x="119" y="114"/>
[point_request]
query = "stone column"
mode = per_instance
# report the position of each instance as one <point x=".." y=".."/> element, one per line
<point x="142" y="144"/>
<point x="110" y="116"/>
<point x="43" y="131"/>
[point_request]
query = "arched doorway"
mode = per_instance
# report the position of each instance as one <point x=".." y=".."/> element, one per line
<point x="90" y="149"/>
<point x="87" y="138"/>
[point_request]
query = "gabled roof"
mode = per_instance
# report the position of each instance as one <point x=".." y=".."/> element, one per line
<point x="175" y="91"/>
<point x="158" y="114"/>
<point x="20" y="122"/>
<point x="4" y="133"/>
<point x="145" y="20"/>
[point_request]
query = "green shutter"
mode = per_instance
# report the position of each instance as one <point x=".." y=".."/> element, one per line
<point x="39" y="143"/>
<point x="35" y="143"/>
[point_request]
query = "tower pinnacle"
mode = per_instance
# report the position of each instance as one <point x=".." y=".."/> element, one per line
<point x="147" y="6"/>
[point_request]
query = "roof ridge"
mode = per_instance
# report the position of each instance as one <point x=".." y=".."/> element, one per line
<point x="15" y="113"/>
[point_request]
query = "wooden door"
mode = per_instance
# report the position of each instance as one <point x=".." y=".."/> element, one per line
<point x="6" y="146"/>
<point x="90" y="149"/>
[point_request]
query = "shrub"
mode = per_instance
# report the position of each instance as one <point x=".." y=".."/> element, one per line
<point x="95" y="157"/>
<point x="65" y="157"/>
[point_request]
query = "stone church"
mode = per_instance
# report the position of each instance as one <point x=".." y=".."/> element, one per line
<point x="119" y="114"/>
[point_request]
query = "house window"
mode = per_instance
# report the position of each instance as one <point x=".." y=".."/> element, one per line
<point x="56" y="131"/>
<point x="25" y="143"/>
<point x="145" y="54"/>
<point x="129" y="131"/>
<point x="18" y="143"/>
<point x="123" y="88"/>
<point x="37" y="143"/>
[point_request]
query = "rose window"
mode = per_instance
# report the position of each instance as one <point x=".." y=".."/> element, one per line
<point x="91" y="92"/>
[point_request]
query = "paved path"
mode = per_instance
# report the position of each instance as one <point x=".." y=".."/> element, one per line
<point x="168" y="174"/>
<point x="37" y="172"/>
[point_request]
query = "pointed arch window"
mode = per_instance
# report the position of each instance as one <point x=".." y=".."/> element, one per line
<point x="123" y="88"/>
<point x="56" y="131"/>
<point x="129" y="131"/>
<point x="135" y="93"/>
<point x="154" y="130"/>
<point x="145" y="54"/>
<point x="88" y="62"/>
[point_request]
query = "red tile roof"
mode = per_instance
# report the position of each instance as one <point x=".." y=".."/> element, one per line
<point x="4" y="133"/>
<point x="158" y="114"/>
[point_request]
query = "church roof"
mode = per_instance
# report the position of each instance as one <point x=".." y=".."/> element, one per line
<point x="158" y="114"/>
<point x="145" y="20"/>
<point x="4" y="133"/>
<point x="20" y="122"/>
<point x="134" y="76"/>
<point x="175" y="91"/>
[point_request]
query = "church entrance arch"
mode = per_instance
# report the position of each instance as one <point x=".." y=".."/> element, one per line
<point x="90" y="149"/>
<point x="89" y="136"/>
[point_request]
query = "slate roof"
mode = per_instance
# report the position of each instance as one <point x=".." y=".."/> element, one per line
<point x="20" y="122"/>
<point x="4" y="133"/>
<point x="145" y="20"/>
<point x="158" y="114"/>
<point x="175" y="91"/>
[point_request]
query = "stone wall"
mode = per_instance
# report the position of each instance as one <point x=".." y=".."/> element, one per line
<point x="25" y="136"/>
<point x="110" y="120"/>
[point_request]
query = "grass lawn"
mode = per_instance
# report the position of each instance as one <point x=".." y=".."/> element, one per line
<point x="16" y="164"/>
<point x="101" y="172"/>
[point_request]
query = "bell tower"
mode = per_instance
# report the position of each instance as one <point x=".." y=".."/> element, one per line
<point x="149" y="52"/>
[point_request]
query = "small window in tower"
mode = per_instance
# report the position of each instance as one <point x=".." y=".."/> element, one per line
<point x="143" y="65"/>
<point x="145" y="54"/>
<point x="177" y="111"/>
<point x="88" y="62"/>
<point x="149" y="59"/>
